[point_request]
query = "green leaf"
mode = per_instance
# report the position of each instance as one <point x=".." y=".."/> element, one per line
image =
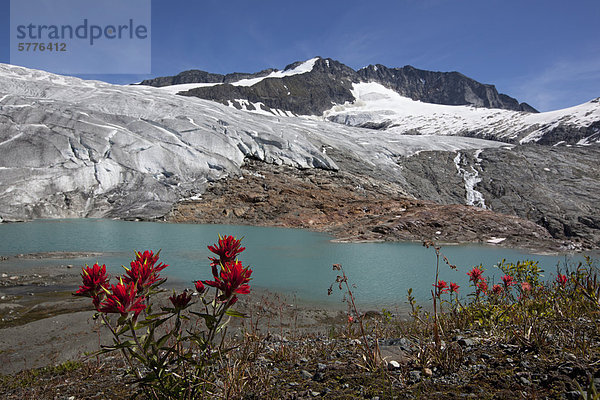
<point x="207" y="317"/>
<point x="122" y="319"/>
<point x="152" y="317"/>
<point x="234" y="313"/>
<point x="123" y="345"/>
<point x="160" y="342"/>
<point x="223" y="325"/>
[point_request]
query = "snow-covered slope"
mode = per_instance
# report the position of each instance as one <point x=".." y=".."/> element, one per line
<point x="381" y="107"/>
<point x="302" y="68"/>
<point x="70" y="147"/>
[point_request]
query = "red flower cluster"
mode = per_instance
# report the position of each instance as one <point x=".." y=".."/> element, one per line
<point x="442" y="287"/>
<point x="123" y="299"/>
<point x="508" y="281"/>
<point x="482" y="285"/>
<point x="453" y="287"/>
<point x="475" y="275"/>
<point x="144" y="272"/>
<point x="561" y="279"/>
<point x="497" y="289"/>
<point x="199" y="286"/>
<point x="133" y="289"/>
<point x="95" y="282"/>
<point x="180" y="301"/>
<point x="232" y="279"/>
<point x="130" y="293"/>
<point x="227" y="249"/>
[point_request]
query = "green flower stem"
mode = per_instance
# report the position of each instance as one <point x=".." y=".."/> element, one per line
<point x="127" y="358"/>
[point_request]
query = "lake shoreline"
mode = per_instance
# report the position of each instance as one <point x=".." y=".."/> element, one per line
<point x="42" y="323"/>
<point x="543" y="248"/>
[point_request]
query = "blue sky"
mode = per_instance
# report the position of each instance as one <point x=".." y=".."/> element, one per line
<point x="543" y="52"/>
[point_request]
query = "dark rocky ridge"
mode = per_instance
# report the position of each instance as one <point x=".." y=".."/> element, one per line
<point x="572" y="135"/>
<point x="450" y="88"/>
<point x="310" y="93"/>
<point x="330" y="82"/>
<point x="196" y="76"/>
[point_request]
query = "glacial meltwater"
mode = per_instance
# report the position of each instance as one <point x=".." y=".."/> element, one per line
<point x="293" y="262"/>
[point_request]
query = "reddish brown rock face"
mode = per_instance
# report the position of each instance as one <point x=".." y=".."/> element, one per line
<point x="351" y="208"/>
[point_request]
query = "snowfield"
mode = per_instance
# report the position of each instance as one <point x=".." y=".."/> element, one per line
<point x="380" y="105"/>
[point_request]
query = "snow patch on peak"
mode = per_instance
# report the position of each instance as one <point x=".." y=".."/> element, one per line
<point x="306" y="66"/>
<point x="303" y="68"/>
<point x="184" y="87"/>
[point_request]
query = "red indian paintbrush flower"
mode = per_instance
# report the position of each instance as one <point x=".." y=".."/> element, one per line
<point x="561" y="279"/>
<point x="497" y="289"/>
<point x="508" y="281"/>
<point x="122" y="299"/>
<point x="180" y="301"/>
<point x="526" y="287"/>
<point x="147" y="257"/>
<point x="199" y="286"/>
<point x="453" y="287"/>
<point x="475" y="275"/>
<point x="94" y="281"/>
<point x="441" y="286"/>
<point x="227" y="249"/>
<point x="482" y="285"/>
<point x="233" y="279"/>
<point x="143" y="272"/>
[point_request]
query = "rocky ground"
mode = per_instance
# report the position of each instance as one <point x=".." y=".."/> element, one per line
<point x="486" y="370"/>
<point x="298" y="353"/>
<point x="352" y="208"/>
<point x="42" y="323"/>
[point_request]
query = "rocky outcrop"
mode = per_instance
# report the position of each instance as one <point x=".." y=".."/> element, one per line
<point x="557" y="188"/>
<point x="310" y="93"/>
<point x="197" y="76"/>
<point x="569" y="134"/>
<point x="351" y="207"/>
<point x="191" y="76"/>
<point x="451" y="88"/>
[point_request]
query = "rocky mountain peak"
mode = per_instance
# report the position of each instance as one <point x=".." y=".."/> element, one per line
<point x="449" y="88"/>
<point x="322" y="82"/>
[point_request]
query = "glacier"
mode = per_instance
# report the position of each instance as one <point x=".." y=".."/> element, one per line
<point x="77" y="148"/>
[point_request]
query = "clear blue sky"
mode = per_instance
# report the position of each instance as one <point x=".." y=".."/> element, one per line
<point x="544" y="52"/>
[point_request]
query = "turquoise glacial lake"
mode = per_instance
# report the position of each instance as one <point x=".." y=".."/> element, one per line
<point x="292" y="262"/>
